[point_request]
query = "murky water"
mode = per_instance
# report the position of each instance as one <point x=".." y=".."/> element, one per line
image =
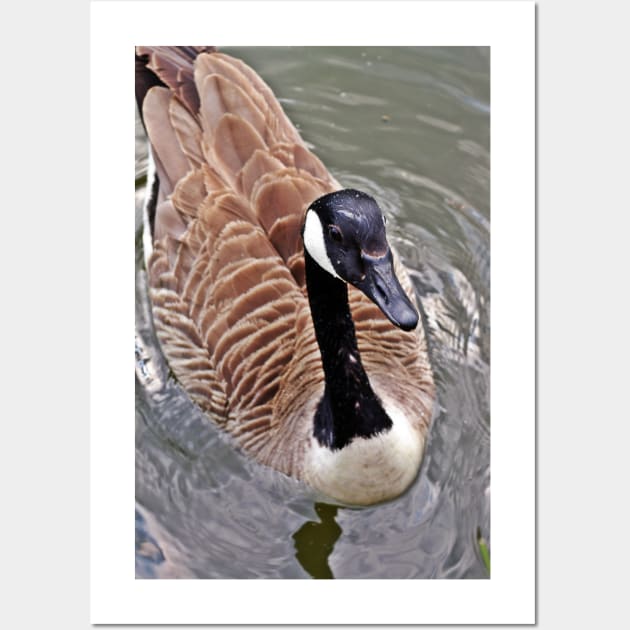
<point x="411" y="128"/>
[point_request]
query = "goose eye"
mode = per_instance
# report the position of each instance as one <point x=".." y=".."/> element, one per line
<point x="335" y="233"/>
<point x="384" y="220"/>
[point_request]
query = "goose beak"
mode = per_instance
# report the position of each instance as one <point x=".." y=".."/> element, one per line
<point x="381" y="285"/>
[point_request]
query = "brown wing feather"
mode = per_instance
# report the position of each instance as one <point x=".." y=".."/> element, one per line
<point x="171" y="164"/>
<point x="173" y="65"/>
<point x="227" y="270"/>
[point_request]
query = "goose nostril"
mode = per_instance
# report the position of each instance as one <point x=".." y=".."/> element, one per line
<point x="381" y="289"/>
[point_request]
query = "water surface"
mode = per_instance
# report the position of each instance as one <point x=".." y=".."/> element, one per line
<point x="410" y="126"/>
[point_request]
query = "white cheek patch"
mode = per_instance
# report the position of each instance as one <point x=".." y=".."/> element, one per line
<point x="315" y="244"/>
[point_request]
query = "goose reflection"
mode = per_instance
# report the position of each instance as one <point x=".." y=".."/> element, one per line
<point x="315" y="541"/>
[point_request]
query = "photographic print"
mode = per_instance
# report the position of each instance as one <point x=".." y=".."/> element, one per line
<point x="313" y="302"/>
<point x="334" y="260"/>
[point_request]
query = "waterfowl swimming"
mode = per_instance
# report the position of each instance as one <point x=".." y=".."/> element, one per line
<point x="278" y="302"/>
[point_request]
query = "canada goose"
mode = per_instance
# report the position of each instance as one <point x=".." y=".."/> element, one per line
<point x="277" y="300"/>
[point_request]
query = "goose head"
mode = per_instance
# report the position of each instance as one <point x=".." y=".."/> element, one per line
<point x="344" y="233"/>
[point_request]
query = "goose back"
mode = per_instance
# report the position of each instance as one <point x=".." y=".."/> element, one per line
<point x="226" y="273"/>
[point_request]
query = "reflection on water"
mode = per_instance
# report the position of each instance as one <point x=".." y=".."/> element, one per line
<point x="314" y="541"/>
<point x="148" y="552"/>
<point x="411" y="128"/>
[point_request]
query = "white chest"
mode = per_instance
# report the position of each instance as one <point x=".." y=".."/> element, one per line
<point x="368" y="470"/>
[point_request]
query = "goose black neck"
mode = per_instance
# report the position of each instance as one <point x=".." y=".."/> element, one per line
<point x="349" y="407"/>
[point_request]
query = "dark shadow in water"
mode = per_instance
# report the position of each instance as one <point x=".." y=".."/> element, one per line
<point x="315" y="541"/>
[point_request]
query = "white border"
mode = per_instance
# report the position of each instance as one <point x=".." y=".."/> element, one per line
<point x="509" y="596"/>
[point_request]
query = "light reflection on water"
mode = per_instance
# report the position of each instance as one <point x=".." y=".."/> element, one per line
<point x="411" y="128"/>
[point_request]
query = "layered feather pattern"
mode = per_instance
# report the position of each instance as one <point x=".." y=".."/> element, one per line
<point x="227" y="269"/>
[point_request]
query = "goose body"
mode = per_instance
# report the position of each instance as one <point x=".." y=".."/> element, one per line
<point x="278" y="303"/>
